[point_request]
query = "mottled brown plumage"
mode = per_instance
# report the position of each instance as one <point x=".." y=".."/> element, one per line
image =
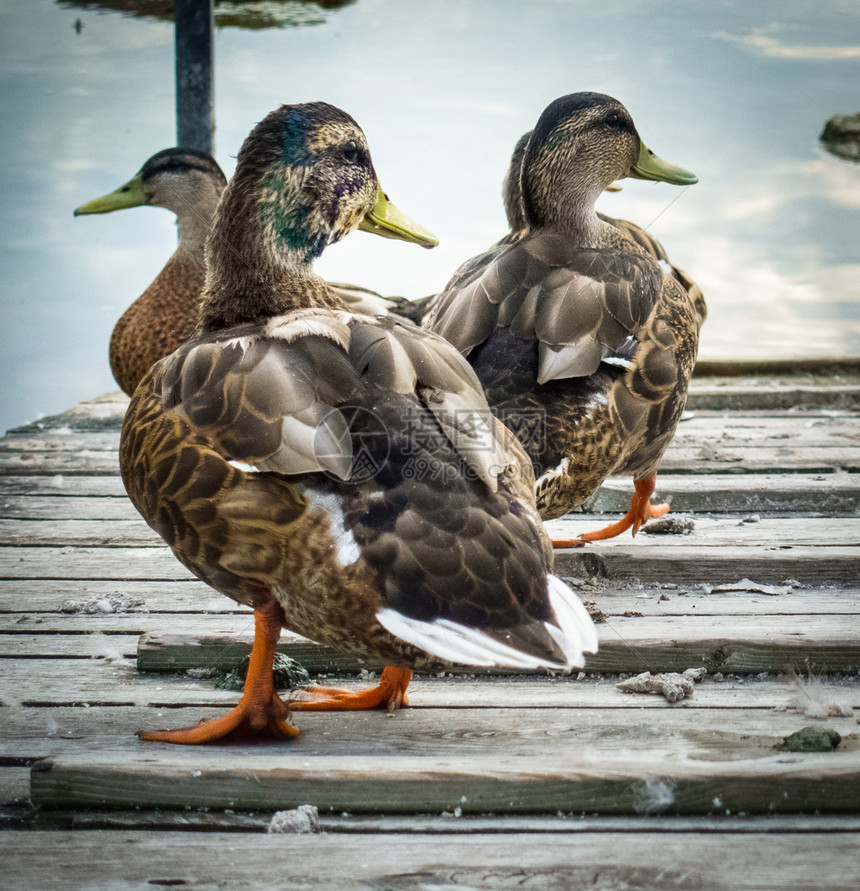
<point x="341" y="474"/>
<point x="582" y="333"/>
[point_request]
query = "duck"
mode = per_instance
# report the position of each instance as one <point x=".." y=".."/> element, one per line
<point x="644" y="240"/>
<point x="581" y="332"/>
<point x="339" y="473"/>
<point x="189" y="183"/>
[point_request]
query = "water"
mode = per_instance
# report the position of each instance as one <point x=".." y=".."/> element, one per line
<point x="736" y="91"/>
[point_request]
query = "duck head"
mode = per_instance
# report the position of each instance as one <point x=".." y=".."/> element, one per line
<point x="304" y="179"/>
<point x="581" y="144"/>
<point x="174" y="178"/>
<point x="185" y="181"/>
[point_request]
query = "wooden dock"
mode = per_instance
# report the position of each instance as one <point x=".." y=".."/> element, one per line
<point x="484" y="782"/>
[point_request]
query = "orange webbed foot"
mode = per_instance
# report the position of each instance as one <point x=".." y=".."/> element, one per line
<point x="390" y="693"/>
<point x="247" y="719"/>
<point x="641" y="510"/>
<point x="568" y="543"/>
<point x="260" y="710"/>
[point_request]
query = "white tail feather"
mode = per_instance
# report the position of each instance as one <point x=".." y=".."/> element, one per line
<point x="571" y="615"/>
<point x="453" y="642"/>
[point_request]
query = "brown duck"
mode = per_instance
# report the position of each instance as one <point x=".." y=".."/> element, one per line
<point x="341" y="474"/>
<point x="583" y="340"/>
<point x="190" y="184"/>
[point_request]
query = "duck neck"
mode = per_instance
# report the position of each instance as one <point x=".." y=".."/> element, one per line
<point x="569" y="209"/>
<point x="194" y="204"/>
<point x="247" y="280"/>
<point x="259" y="257"/>
<point x="241" y="287"/>
<point x="581" y="222"/>
<point x="193" y="229"/>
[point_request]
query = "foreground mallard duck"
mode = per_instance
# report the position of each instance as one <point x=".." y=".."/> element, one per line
<point x="340" y="473"/>
<point x="190" y="184"/>
<point x="584" y="344"/>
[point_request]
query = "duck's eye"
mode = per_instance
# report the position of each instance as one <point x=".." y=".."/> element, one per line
<point x="351" y="152"/>
<point x="613" y="119"/>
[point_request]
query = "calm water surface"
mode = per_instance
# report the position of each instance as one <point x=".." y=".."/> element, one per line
<point x="736" y="91"/>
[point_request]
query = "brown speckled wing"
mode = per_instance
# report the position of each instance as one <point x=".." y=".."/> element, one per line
<point x="580" y="304"/>
<point x="647" y="403"/>
<point x="367" y="427"/>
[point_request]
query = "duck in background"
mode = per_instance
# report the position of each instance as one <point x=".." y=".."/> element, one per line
<point x="583" y="340"/>
<point x="190" y="184"/>
<point x="340" y="473"/>
<point x="512" y="199"/>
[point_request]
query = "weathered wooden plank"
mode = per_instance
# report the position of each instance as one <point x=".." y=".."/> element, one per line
<point x="554" y="861"/>
<point x="707" y="531"/>
<point x="14" y="786"/>
<point x="717" y="532"/>
<point x="520" y="738"/>
<point x="103" y="498"/>
<point x="639" y="558"/>
<point x="715" y="458"/>
<point x="49" y="684"/>
<point x="91" y="563"/>
<point x="66" y="507"/>
<point x="536" y="825"/>
<point x="820" y="431"/>
<point x="729" y="457"/>
<point x="79" y="646"/>
<point x="598" y="762"/>
<point x="106" y="485"/>
<point x="750" y="394"/>
<point x="671" y="643"/>
<point x="74" y="691"/>
<point x="773" y="627"/>
<point x="688" y="564"/>
<point x="63" y="439"/>
<point x="78" y="533"/>
<point x="85" y="461"/>
<point x="34" y="596"/>
<point x="806" y="494"/>
<point x="832" y="369"/>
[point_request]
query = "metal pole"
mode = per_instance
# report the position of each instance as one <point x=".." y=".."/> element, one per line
<point x="194" y="82"/>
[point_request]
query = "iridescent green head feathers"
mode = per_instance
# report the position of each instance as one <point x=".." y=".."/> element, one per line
<point x="304" y="179"/>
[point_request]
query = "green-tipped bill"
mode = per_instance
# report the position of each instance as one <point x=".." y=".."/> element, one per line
<point x="653" y="167"/>
<point x="129" y="195"/>
<point x="388" y="221"/>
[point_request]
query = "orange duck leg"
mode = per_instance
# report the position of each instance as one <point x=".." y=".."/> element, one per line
<point x="641" y="510"/>
<point x="390" y="692"/>
<point x="260" y="710"/>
